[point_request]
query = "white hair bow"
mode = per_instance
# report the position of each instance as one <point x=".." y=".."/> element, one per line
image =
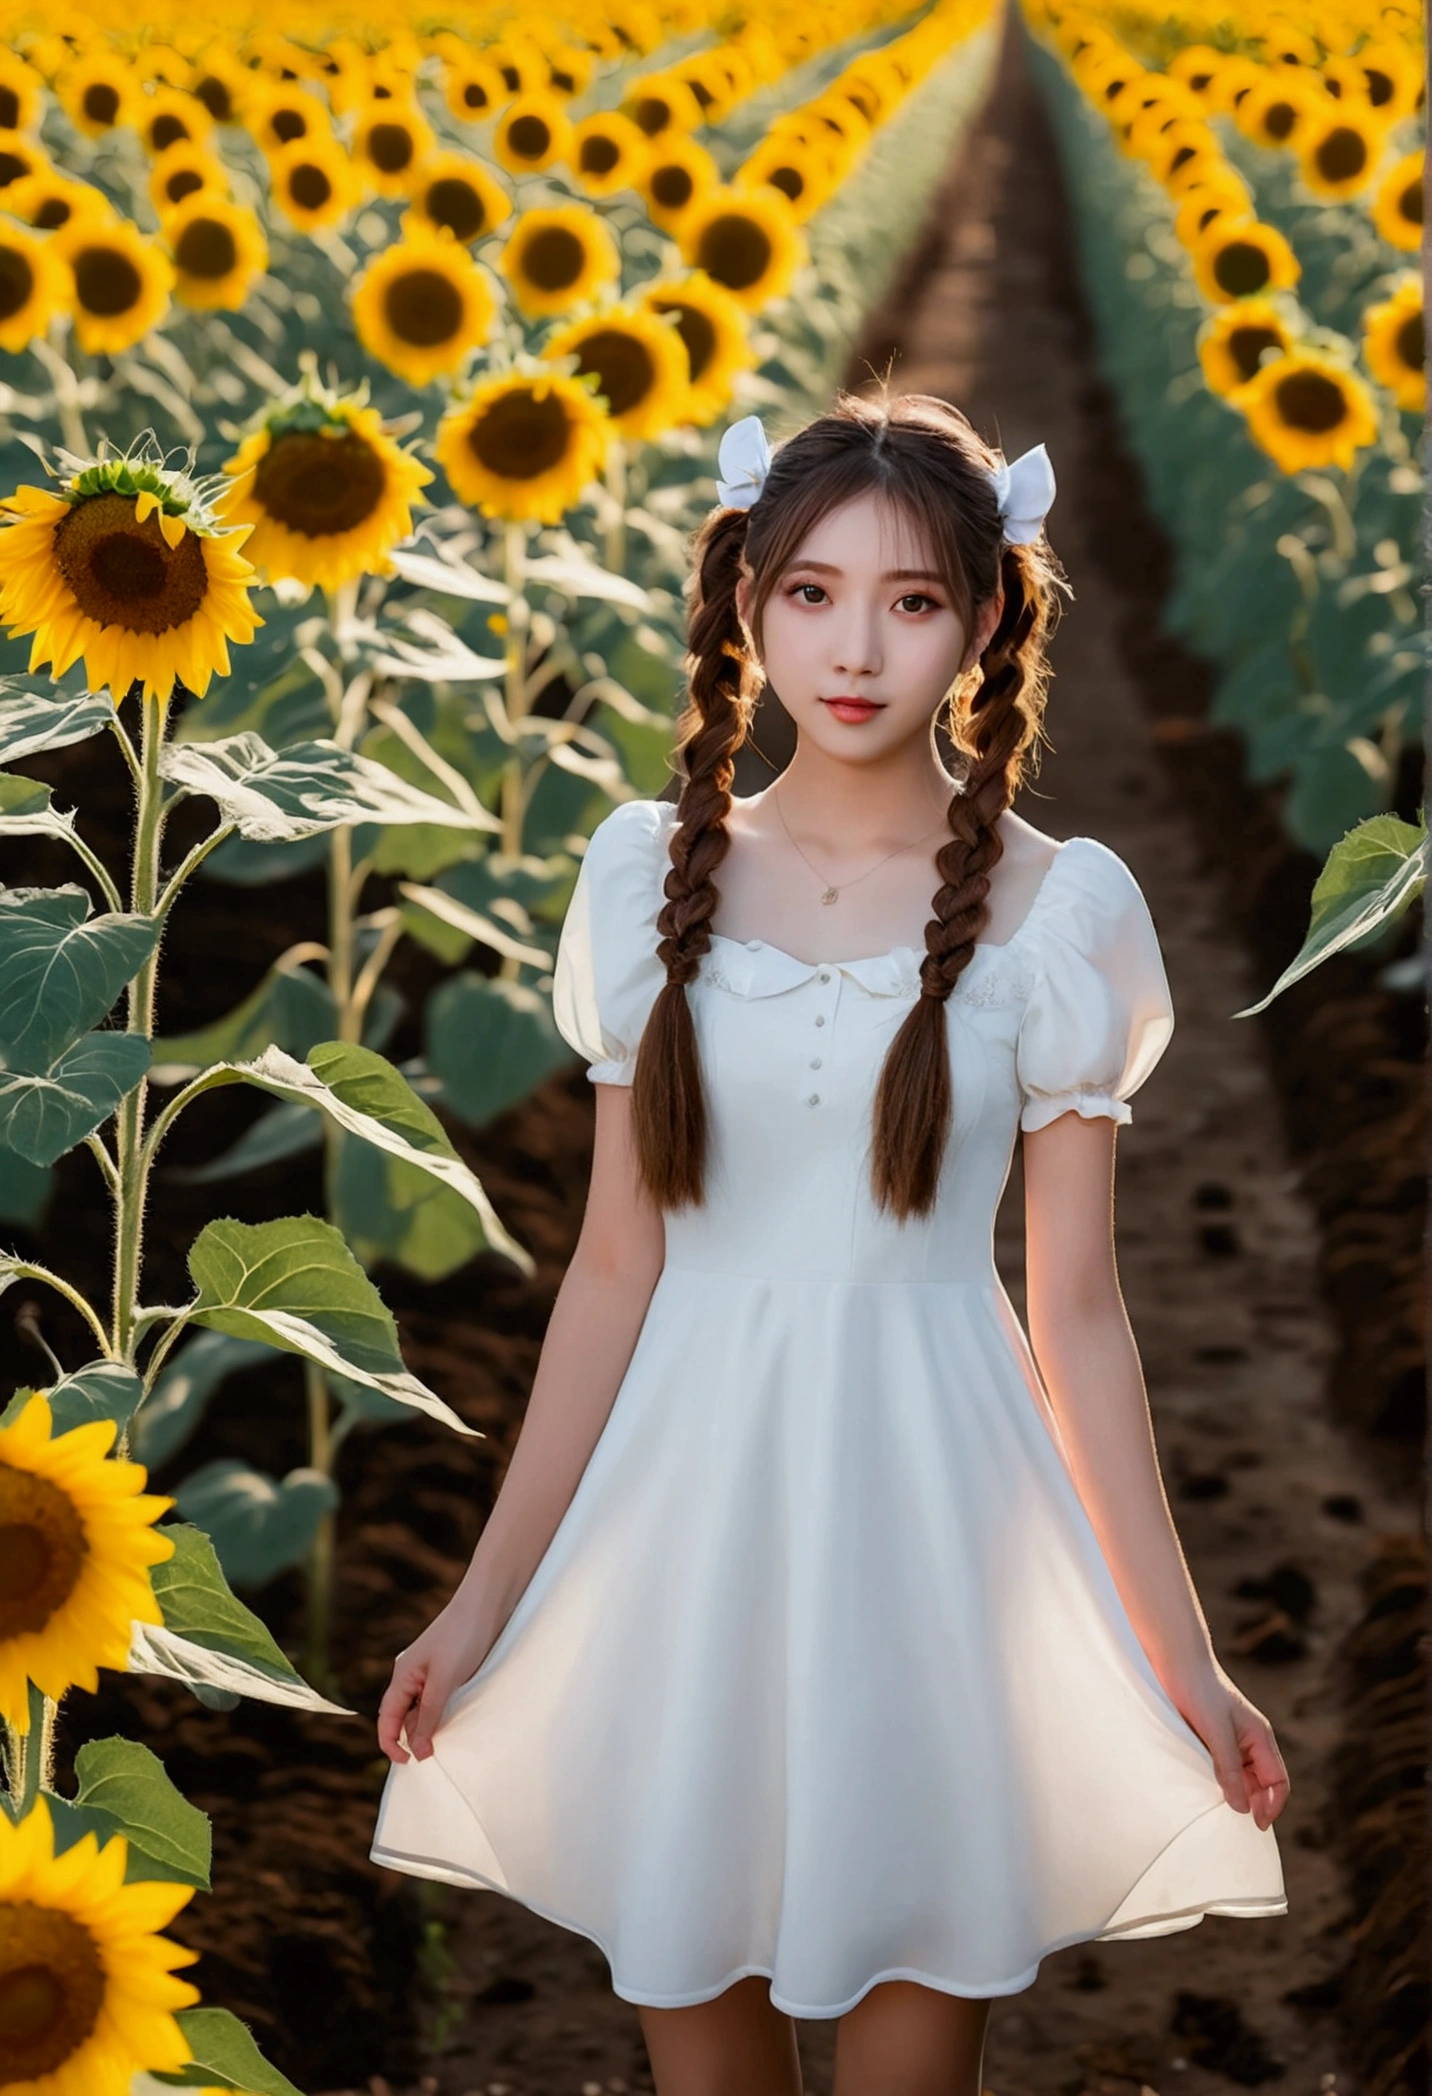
<point x="743" y="462"/>
<point x="1024" y="489"/>
<point x="1025" y="492"/>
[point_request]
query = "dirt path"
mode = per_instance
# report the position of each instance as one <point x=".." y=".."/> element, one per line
<point x="1217" y="1255"/>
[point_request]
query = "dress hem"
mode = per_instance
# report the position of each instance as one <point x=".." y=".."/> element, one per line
<point x="469" y="1880"/>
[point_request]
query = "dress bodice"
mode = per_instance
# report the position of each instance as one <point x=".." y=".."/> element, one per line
<point x="1071" y="1014"/>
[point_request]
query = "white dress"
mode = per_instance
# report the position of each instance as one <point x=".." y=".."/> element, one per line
<point x="823" y="1675"/>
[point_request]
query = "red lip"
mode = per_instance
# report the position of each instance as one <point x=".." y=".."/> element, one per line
<point x="855" y="705"/>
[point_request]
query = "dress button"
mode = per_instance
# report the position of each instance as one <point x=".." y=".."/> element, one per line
<point x="820" y="1018"/>
<point x="814" y="1099"/>
<point x="751" y="945"/>
<point x="825" y="975"/>
<point x="815" y="1062"/>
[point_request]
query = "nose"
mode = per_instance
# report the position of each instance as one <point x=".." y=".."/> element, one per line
<point x="857" y="651"/>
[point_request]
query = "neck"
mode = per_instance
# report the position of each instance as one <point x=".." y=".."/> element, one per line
<point x="855" y="806"/>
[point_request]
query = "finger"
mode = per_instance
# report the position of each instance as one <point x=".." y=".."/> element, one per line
<point x="430" y="1710"/>
<point x="398" y="1698"/>
<point x="1227" y="1754"/>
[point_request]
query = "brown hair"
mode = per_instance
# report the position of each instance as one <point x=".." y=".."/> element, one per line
<point x="924" y="455"/>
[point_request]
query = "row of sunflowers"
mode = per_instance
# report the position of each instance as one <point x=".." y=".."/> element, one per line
<point x="374" y="376"/>
<point x="1249" y="200"/>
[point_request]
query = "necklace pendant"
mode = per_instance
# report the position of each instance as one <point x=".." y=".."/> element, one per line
<point x="831" y="895"/>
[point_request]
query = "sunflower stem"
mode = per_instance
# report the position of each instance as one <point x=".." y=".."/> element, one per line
<point x="62" y="375"/>
<point x="614" y="531"/>
<point x="319" y="1594"/>
<point x="131" y="1160"/>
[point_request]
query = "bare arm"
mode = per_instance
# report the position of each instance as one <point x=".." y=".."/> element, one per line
<point x="1081" y="1337"/>
<point x="588" y="1346"/>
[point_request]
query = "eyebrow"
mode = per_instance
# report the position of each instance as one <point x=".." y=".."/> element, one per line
<point x="823" y="567"/>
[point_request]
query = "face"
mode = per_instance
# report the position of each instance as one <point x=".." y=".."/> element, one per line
<point x="861" y="638"/>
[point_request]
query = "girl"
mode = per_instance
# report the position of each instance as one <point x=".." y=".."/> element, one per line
<point x="829" y="1651"/>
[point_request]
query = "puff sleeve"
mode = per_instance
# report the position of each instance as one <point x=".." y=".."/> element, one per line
<point x="1100" y="1014"/>
<point x="606" y="976"/>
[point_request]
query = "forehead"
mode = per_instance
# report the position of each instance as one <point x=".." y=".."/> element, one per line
<point x="870" y="533"/>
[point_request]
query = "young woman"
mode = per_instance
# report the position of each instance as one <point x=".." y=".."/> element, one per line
<point x="829" y="1651"/>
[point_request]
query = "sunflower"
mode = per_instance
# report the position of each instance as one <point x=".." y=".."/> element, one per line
<point x="1279" y="110"/>
<point x="183" y="171"/>
<point x="472" y="89"/>
<point x="661" y="102"/>
<point x="524" y="447"/>
<point x="120" y="282"/>
<point x="1392" y="79"/>
<point x="714" y="328"/>
<point x="1174" y="153"/>
<point x="559" y="257"/>
<point x="90" y="1987"/>
<point x="221" y="84"/>
<point x="518" y="64"/>
<point x="218" y="249"/>
<point x="390" y="143"/>
<point x="129" y="568"/>
<point x="1340" y="151"/>
<point x="1196" y="65"/>
<point x="457" y="194"/>
<point x="607" y="152"/>
<point x="33" y="288"/>
<point x="167" y="115"/>
<point x="569" y="70"/>
<point x="49" y="201"/>
<point x="711" y="83"/>
<point x="21" y="91"/>
<point x="19" y="157"/>
<point x="422" y="305"/>
<point x="327" y="490"/>
<point x="677" y="171"/>
<point x="639" y="364"/>
<point x="1238" y="258"/>
<point x="1397" y="206"/>
<point x="532" y="132"/>
<point x="1233" y="80"/>
<point x="795" y="170"/>
<point x="97" y="92"/>
<point x="1208" y="201"/>
<point x="76" y="1544"/>
<point x="1394" y="345"/>
<point x="313" y="183"/>
<point x="1306" y="409"/>
<point x="1233" y="342"/>
<point x="747" y="240"/>
<point x="278" y="115"/>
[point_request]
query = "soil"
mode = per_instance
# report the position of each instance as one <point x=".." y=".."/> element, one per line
<point x="1269" y="1232"/>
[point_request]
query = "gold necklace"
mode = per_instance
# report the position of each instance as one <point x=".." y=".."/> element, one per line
<point x="832" y="893"/>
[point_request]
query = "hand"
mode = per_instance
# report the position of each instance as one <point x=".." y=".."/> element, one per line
<point x="1240" y="1739"/>
<point x="449" y="1652"/>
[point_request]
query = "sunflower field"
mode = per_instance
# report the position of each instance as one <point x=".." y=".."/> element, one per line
<point x="360" y="384"/>
<point x="1249" y="205"/>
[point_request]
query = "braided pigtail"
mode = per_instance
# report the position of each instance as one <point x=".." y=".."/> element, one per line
<point x="914" y="1106"/>
<point x="668" y="1103"/>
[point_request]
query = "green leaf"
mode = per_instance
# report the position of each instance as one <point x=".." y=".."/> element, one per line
<point x="474" y="923"/>
<point x="103" y="1390"/>
<point x="391" y="1210"/>
<point x="183" y="1388"/>
<point x="25" y="1190"/>
<point x="275" y="797"/>
<point x="259" y="1525"/>
<point x="449" y="578"/>
<point x="123" y="1789"/>
<point x="1372" y="875"/>
<point x="26" y="811"/>
<point x="490" y="1043"/>
<point x="294" y="1283"/>
<point x="61" y="970"/>
<point x="367" y="1097"/>
<point x="208" y="1636"/>
<point x="285" y="1130"/>
<point x="45" y="1113"/>
<point x="225" y="2057"/>
<point x="29" y="722"/>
